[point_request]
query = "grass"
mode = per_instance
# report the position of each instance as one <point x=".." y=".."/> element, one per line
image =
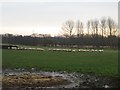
<point x="100" y="63"/>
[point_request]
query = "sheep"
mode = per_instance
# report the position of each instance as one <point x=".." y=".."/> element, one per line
<point x="95" y="50"/>
<point x="39" y="49"/>
<point x="101" y="50"/>
<point x="73" y="50"/>
<point x="49" y="49"/>
<point x="92" y="50"/>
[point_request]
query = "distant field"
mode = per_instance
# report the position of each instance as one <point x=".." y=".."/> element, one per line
<point x="100" y="63"/>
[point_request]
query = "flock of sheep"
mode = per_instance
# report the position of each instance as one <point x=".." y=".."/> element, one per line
<point x="58" y="49"/>
<point x="77" y="50"/>
<point x="23" y="48"/>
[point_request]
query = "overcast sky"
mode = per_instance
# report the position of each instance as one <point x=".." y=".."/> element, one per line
<point x="47" y="17"/>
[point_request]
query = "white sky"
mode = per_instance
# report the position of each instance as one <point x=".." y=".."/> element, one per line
<point x="47" y="17"/>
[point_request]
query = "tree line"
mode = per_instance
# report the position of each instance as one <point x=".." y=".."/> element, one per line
<point x="99" y="34"/>
<point x="104" y="27"/>
<point x="85" y="41"/>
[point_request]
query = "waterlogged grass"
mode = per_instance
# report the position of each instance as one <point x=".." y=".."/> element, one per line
<point x="100" y="63"/>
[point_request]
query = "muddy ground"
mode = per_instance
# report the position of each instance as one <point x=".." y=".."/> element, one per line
<point x="21" y="79"/>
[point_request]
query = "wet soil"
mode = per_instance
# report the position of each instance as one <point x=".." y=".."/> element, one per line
<point x="19" y="79"/>
<point x="32" y="80"/>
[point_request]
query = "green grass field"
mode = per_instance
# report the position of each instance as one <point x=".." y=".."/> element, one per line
<point x="100" y="63"/>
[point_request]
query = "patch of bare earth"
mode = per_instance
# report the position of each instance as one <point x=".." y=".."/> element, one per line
<point x="33" y="80"/>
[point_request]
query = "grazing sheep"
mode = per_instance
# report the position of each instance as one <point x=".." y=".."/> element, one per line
<point x="88" y="50"/>
<point x="80" y="50"/>
<point x="95" y="50"/>
<point x="92" y="50"/>
<point x="39" y="49"/>
<point x="28" y="48"/>
<point x="101" y="50"/>
<point x="14" y="48"/>
<point x="49" y="49"/>
<point x="73" y="50"/>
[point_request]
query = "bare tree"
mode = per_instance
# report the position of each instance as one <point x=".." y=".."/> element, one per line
<point x="92" y="27"/>
<point x="103" y="29"/>
<point x="103" y="26"/>
<point x="79" y="27"/>
<point x="110" y="24"/>
<point x="88" y="27"/>
<point x="96" y="25"/>
<point x="111" y="27"/>
<point x="67" y="28"/>
<point x="115" y="29"/>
